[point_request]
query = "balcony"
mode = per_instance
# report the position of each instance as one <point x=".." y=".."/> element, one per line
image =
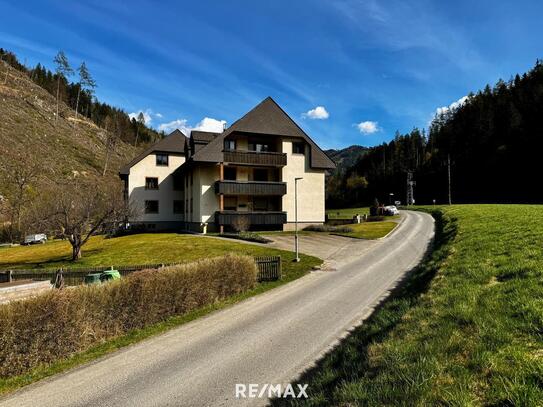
<point x="255" y="218"/>
<point x="251" y="188"/>
<point x="255" y="158"/>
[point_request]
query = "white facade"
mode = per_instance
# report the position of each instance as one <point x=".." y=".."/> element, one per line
<point x="166" y="194"/>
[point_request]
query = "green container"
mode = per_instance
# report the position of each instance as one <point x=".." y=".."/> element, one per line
<point x="93" y="278"/>
<point x="110" y="275"/>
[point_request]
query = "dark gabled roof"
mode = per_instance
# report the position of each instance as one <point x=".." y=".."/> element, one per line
<point x="172" y="143"/>
<point x="202" y="136"/>
<point x="267" y="118"/>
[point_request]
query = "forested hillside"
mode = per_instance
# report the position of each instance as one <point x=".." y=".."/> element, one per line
<point x="493" y="141"/>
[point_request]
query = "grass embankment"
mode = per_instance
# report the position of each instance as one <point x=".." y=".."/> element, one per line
<point x="465" y="329"/>
<point x="369" y="230"/>
<point x="141" y="249"/>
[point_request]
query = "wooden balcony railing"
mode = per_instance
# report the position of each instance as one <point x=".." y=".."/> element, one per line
<point x="255" y="218"/>
<point x="263" y="158"/>
<point x="250" y="188"/>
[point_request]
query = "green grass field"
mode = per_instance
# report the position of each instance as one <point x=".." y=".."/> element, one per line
<point x="347" y="213"/>
<point x="142" y="249"/>
<point x="369" y="230"/>
<point x="465" y="329"/>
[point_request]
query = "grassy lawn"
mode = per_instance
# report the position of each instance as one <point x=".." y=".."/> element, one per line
<point x="466" y="328"/>
<point x="141" y="249"/>
<point x="347" y="213"/>
<point x="369" y="230"/>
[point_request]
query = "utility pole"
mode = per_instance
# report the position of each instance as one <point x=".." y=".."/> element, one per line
<point x="410" y="185"/>
<point x="449" y="176"/>
<point x="297" y="259"/>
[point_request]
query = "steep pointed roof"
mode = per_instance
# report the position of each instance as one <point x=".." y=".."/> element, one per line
<point x="172" y="143"/>
<point x="267" y="118"/>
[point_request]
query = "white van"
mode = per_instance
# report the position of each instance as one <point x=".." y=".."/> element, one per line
<point x="35" y="239"/>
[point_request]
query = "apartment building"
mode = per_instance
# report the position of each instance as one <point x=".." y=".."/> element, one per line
<point x="242" y="177"/>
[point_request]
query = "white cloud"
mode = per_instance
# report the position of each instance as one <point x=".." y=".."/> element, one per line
<point x="180" y="124"/>
<point x="318" y="113"/>
<point x="206" y="124"/>
<point x="148" y="115"/>
<point x="368" y="127"/>
<point x="452" y="107"/>
<point x="209" y="124"/>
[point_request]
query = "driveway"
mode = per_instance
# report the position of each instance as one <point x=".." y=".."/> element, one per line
<point x="334" y="250"/>
<point x="270" y="338"/>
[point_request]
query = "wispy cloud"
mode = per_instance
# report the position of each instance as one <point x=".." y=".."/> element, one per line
<point x="368" y="127"/>
<point x="318" y="113"/>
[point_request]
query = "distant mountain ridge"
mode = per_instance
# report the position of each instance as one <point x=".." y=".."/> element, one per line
<point x="346" y="157"/>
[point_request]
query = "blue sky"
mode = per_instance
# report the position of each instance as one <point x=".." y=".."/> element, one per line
<point x="349" y="72"/>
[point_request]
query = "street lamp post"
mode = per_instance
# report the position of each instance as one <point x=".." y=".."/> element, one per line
<point x="297" y="259"/>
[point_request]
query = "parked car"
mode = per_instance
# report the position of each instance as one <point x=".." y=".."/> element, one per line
<point x="35" y="239"/>
<point x="391" y="210"/>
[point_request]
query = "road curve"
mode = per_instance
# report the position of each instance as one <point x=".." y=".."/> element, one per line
<point x="270" y="338"/>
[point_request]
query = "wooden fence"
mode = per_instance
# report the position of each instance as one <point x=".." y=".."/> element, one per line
<point x="269" y="269"/>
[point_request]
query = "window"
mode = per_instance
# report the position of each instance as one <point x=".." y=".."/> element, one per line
<point x="298" y="148"/>
<point x="260" y="174"/>
<point x="230" y="203"/>
<point x="178" y="184"/>
<point x="229" y="144"/>
<point x="230" y="173"/>
<point x="191" y="205"/>
<point x="151" y="206"/>
<point x="260" y="204"/>
<point x="259" y="147"/>
<point x="162" y="160"/>
<point x="151" y="183"/>
<point x="191" y="179"/>
<point x="178" y="207"/>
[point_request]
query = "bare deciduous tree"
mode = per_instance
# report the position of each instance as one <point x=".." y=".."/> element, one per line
<point x="18" y="178"/>
<point x="81" y="207"/>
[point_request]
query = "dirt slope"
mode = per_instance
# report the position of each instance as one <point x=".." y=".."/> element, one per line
<point x="27" y="123"/>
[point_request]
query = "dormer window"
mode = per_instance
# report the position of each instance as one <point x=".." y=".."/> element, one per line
<point x="162" y="160"/>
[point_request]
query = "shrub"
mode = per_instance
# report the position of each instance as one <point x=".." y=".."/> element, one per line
<point x="248" y="236"/>
<point x="328" y="228"/>
<point x="241" y="223"/>
<point x="60" y="323"/>
<point x="375" y="218"/>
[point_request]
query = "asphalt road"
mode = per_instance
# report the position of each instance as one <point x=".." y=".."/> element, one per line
<point x="270" y="338"/>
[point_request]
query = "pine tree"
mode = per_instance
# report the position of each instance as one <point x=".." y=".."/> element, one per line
<point x="86" y="82"/>
<point x="63" y="70"/>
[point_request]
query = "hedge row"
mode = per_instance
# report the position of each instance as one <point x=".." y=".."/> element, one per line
<point x="60" y="323"/>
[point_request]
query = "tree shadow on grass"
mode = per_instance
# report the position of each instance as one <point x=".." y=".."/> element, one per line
<point x="349" y="360"/>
